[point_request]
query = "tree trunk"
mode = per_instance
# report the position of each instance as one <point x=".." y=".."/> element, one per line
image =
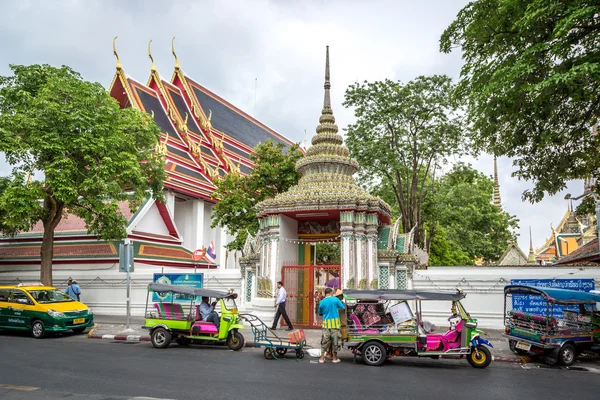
<point x="54" y="215"/>
<point x="47" y="254"/>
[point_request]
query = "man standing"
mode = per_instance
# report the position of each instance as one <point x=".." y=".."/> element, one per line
<point x="208" y="312"/>
<point x="329" y="310"/>
<point x="280" y="305"/>
<point x="73" y="289"/>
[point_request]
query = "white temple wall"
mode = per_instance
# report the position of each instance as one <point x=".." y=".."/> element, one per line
<point x="484" y="287"/>
<point x="183" y="216"/>
<point x="152" y="222"/>
<point x="288" y="251"/>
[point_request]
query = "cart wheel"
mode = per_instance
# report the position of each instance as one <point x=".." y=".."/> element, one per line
<point x="235" y="340"/>
<point x="567" y="355"/>
<point x="183" y="341"/>
<point x="299" y="354"/>
<point x="482" y="360"/>
<point x="374" y="354"/>
<point x="160" y="338"/>
<point x="269" y="353"/>
<point x="281" y="351"/>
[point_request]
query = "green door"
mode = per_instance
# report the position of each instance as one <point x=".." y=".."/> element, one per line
<point x="19" y="309"/>
<point x="4" y="307"/>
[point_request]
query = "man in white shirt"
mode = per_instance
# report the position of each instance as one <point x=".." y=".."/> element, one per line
<point x="280" y="305"/>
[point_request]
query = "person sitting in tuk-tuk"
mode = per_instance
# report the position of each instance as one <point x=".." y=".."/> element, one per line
<point x="208" y="311"/>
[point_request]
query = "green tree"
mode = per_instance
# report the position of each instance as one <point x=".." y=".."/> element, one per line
<point x="444" y="252"/>
<point x="470" y="222"/>
<point x="274" y="172"/>
<point x="531" y="80"/>
<point x="89" y="153"/>
<point x="403" y="134"/>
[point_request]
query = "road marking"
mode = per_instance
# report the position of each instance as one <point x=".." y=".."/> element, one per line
<point x="147" y="398"/>
<point x="15" y="387"/>
<point x="133" y="337"/>
<point x="108" y="337"/>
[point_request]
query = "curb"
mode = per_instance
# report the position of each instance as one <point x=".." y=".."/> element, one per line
<point x="128" y="338"/>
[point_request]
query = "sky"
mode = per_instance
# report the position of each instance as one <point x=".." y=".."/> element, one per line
<point x="265" y="57"/>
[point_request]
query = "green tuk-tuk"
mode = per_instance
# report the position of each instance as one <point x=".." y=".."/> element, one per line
<point x="180" y="319"/>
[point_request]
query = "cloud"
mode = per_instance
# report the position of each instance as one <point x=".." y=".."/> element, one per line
<point x="266" y="57"/>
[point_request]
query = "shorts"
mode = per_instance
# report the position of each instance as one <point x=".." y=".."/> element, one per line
<point x="330" y="335"/>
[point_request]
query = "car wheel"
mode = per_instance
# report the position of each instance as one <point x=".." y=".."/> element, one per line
<point x="235" y="340"/>
<point x="374" y="354"/>
<point x="38" y="330"/>
<point x="160" y="338"/>
<point x="567" y="355"/>
<point x="480" y="358"/>
<point x="79" y="330"/>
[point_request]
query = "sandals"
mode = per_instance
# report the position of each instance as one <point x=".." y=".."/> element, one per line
<point x="337" y="360"/>
<point x="321" y="361"/>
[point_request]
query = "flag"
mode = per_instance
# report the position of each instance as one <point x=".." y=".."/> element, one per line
<point x="211" y="254"/>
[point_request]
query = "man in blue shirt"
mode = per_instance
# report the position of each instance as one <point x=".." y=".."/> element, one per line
<point x="280" y="305"/>
<point x="73" y="289"/>
<point x="208" y="312"/>
<point x="329" y="309"/>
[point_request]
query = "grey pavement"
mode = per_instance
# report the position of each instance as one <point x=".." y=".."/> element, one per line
<point x="71" y="366"/>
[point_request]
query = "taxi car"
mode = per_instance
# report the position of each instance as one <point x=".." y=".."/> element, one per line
<point x="41" y="309"/>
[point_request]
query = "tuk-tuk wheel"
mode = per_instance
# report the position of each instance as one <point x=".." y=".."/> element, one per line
<point x="269" y="353"/>
<point x="374" y="354"/>
<point x="160" y="338"/>
<point x="235" y="340"/>
<point x="567" y="355"/>
<point x="281" y="351"/>
<point x="481" y="360"/>
<point x="299" y="354"/>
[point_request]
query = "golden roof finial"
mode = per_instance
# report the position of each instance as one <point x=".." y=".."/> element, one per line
<point x="119" y="67"/>
<point x="208" y="123"/>
<point x="151" y="58"/>
<point x="185" y="120"/>
<point x="174" y="54"/>
<point x="28" y="177"/>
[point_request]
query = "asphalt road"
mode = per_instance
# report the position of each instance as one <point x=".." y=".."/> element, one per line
<point x="76" y="367"/>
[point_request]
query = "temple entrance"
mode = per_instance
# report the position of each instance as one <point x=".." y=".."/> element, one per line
<point x="305" y="285"/>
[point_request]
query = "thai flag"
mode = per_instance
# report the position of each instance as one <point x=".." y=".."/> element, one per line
<point x="211" y="254"/>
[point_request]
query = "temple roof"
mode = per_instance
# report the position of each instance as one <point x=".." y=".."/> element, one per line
<point x="326" y="172"/>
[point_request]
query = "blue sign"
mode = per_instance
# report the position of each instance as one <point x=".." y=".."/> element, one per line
<point x="193" y="280"/>
<point x="533" y="304"/>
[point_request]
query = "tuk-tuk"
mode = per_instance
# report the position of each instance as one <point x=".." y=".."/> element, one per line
<point x="177" y="320"/>
<point x="381" y="325"/>
<point x="558" y="324"/>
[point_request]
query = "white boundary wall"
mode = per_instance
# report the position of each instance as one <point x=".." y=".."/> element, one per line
<point x="484" y="287"/>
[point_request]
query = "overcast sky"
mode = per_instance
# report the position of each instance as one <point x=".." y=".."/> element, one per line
<point x="227" y="45"/>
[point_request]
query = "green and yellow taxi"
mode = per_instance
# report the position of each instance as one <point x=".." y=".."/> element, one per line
<point x="41" y="309"/>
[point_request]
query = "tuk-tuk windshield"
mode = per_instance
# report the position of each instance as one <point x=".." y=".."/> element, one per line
<point x="229" y="303"/>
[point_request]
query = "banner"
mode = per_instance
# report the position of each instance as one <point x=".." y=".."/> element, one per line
<point x="193" y="280"/>
<point x="537" y="305"/>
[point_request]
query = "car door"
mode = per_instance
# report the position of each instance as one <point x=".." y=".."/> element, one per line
<point x="4" y="307"/>
<point x="19" y="310"/>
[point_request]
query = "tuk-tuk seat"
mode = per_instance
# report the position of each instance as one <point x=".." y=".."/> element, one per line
<point x="358" y="326"/>
<point x="172" y="311"/>
<point x="204" y="327"/>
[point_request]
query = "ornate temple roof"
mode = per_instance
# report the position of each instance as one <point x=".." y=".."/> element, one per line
<point x="326" y="174"/>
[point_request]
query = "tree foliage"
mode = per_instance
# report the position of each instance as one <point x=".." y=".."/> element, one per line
<point x="531" y="80"/>
<point x="403" y="134"/>
<point x="274" y="172"/>
<point x="462" y="206"/>
<point x="89" y="154"/>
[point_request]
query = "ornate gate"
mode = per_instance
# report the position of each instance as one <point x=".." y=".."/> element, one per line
<point x="305" y="286"/>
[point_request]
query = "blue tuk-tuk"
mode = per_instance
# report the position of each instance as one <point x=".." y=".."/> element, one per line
<point x="558" y="324"/>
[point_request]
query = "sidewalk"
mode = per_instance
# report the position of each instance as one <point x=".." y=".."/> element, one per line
<point x="113" y="328"/>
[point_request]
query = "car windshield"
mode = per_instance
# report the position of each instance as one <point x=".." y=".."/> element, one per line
<point x="50" y="296"/>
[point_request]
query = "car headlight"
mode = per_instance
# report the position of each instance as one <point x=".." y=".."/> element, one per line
<point x="89" y="310"/>
<point x="53" y="313"/>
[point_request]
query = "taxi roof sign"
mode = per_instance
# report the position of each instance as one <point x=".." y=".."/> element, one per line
<point x="30" y="284"/>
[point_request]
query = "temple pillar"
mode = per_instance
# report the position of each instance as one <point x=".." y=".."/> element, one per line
<point x="372" y="225"/>
<point x="360" y="247"/>
<point x="248" y="268"/>
<point x="346" y="236"/>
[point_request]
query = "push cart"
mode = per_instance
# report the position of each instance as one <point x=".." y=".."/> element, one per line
<point x="275" y="346"/>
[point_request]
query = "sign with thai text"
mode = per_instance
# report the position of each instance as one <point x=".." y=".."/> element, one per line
<point x="533" y="304"/>
<point x="193" y="280"/>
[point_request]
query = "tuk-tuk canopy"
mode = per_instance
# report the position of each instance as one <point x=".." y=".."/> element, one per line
<point x="394" y="294"/>
<point x="188" y="290"/>
<point x="553" y="295"/>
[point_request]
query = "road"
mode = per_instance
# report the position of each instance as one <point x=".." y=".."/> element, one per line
<point x="79" y="368"/>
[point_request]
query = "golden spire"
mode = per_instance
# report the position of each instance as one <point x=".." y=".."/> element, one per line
<point x="497" y="201"/>
<point x="173" y="51"/>
<point x="327" y="86"/>
<point x="119" y="67"/>
<point x="28" y="177"/>
<point x="151" y="58"/>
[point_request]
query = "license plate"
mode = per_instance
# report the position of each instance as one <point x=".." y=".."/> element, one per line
<point x="523" y="346"/>
<point x="78" y="321"/>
